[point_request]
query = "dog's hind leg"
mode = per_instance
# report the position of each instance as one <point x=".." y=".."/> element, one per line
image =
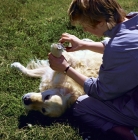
<point x="36" y="72"/>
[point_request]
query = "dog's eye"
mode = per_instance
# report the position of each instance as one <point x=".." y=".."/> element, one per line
<point x="43" y="110"/>
<point x="47" y="97"/>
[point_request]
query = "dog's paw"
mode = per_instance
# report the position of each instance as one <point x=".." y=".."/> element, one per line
<point x="18" y="66"/>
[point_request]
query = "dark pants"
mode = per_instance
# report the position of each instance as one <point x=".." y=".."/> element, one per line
<point x="106" y="114"/>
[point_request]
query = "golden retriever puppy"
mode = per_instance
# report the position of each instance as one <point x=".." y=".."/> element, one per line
<point x="58" y="91"/>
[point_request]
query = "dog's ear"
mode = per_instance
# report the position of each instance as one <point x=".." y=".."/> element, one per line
<point x="74" y="96"/>
<point x="71" y="100"/>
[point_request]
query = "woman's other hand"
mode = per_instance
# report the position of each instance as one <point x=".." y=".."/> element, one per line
<point x="75" y="43"/>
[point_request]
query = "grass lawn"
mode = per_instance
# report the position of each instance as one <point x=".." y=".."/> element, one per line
<point x="27" y="29"/>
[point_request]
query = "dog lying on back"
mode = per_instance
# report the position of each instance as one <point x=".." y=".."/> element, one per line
<point x="58" y="91"/>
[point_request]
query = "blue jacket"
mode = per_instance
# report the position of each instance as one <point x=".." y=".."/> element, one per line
<point x="118" y="74"/>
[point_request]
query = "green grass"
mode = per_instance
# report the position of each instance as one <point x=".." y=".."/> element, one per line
<point x="27" y="29"/>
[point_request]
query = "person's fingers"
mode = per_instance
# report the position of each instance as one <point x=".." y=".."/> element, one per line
<point x="70" y="49"/>
<point x="65" y="37"/>
<point x="65" y="34"/>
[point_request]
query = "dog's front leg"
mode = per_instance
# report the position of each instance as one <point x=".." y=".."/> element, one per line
<point x="19" y="67"/>
<point x="37" y="72"/>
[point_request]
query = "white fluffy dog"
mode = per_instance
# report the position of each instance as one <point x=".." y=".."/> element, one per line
<point x="58" y="91"/>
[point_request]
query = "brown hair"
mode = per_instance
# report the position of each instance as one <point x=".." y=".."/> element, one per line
<point x="91" y="12"/>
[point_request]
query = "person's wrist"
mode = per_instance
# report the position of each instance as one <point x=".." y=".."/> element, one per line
<point x="66" y="69"/>
<point x="82" y="45"/>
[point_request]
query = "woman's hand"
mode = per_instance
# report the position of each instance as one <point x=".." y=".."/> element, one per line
<point x="57" y="64"/>
<point x="76" y="43"/>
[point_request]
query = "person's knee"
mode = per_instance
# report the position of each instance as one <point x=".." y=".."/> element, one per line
<point x="82" y="105"/>
<point x="81" y="98"/>
<point x="79" y="106"/>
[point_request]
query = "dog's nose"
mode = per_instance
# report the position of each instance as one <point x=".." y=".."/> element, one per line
<point x="26" y="100"/>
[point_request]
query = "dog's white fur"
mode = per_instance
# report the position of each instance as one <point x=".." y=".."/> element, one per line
<point x="58" y="91"/>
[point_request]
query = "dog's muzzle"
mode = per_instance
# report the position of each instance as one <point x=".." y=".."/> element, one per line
<point x="26" y="100"/>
